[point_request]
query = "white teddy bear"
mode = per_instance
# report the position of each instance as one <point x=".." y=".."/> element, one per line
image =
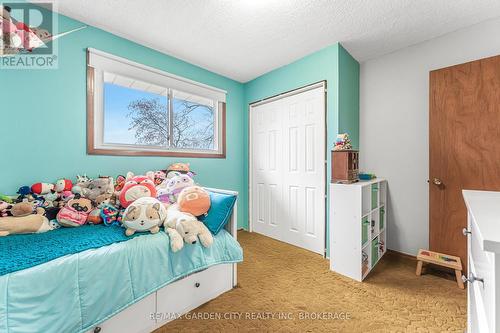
<point x="184" y="227"/>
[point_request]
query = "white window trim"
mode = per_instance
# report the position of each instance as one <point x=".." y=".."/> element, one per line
<point x="99" y="62"/>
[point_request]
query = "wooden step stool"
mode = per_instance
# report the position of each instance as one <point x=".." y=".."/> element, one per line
<point x="440" y="259"/>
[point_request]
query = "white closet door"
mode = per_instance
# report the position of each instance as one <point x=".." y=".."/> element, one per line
<point x="267" y="176"/>
<point x="288" y="169"/>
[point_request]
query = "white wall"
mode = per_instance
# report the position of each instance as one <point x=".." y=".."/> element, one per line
<point x="394" y="140"/>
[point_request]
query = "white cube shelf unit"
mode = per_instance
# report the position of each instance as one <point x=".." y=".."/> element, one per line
<point x="358" y="227"/>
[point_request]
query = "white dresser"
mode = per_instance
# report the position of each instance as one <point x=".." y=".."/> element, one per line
<point x="483" y="248"/>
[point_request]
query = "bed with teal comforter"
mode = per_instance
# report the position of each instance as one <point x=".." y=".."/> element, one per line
<point x="75" y="292"/>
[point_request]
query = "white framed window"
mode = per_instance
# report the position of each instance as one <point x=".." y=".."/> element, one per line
<point x="134" y="109"/>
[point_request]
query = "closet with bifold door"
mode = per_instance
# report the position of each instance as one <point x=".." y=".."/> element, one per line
<point x="287" y="141"/>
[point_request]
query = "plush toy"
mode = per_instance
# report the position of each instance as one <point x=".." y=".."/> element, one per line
<point x="53" y="223"/>
<point x="184" y="227"/>
<point x="83" y="178"/>
<point x="137" y="187"/>
<point x="51" y="196"/>
<point x="95" y="215"/>
<point x="4" y="208"/>
<point x="38" y="201"/>
<point x="169" y="193"/>
<point x="75" y="213"/>
<point x="63" y="185"/>
<point x="19" y="209"/>
<point x="67" y="195"/>
<point x="111" y="215"/>
<point x="160" y="177"/>
<point x="194" y="200"/>
<point x="33" y="223"/>
<point x="119" y="183"/>
<point x="6" y="198"/>
<point x="342" y="142"/>
<point x="24" y="192"/>
<point x="97" y="187"/>
<point x="51" y="214"/>
<point x="42" y="188"/>
<point x="182" y="168"/>
<point x="81" y="183"/>
<point x="144" y="214"/>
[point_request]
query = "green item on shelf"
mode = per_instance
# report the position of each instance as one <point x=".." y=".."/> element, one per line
<point x="381" y="218"/>
<point x="374" y="196"/>
<point x="375" y="244"/>
<point x="365" y="225"/>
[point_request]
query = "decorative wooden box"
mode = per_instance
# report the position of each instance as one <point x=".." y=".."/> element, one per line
<point x="345" y="166"/>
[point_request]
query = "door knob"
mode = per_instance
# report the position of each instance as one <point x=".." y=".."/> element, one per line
<point x="466" y="232"/>
<point x="437" y="182"/>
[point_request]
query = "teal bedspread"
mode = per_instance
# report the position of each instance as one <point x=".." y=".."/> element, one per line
<point x="75" y="292"/>
<point x="19" y="252"/>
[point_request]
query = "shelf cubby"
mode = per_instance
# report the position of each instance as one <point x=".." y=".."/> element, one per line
<point x="358" y="227"/>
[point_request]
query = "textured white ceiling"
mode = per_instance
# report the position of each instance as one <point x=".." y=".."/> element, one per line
<point x="243" y="39"/>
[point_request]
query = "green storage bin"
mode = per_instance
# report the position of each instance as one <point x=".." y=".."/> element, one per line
<point x="381" y="218"/>
<point x="365" y="226"/>
<point x="374" y="196"/>
<point x="374" y="251"/>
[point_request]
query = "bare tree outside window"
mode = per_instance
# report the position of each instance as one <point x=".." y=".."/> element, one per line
<point x="193" y="123"/>
<point x="149" y="119"/>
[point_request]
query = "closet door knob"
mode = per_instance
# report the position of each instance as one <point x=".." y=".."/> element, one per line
<point x="471" y="279"/>
<point x="466" y="232"/>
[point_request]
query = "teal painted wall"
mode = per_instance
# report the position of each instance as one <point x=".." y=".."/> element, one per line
<point x="43" y="117"/>
<point x="348" y="93"/>
<point x="332" y="64"/>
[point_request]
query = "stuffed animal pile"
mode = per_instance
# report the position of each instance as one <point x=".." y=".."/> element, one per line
<point x="138" y="203"/>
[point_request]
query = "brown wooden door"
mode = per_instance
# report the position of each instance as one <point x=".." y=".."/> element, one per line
<point x="464" y="146"/>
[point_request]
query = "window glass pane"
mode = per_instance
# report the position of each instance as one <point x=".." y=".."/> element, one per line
<point x="194" y="120"/>
<point x="135" y="112"/>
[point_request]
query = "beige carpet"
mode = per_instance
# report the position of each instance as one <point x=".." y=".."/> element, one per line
<point x="282" y="280"/>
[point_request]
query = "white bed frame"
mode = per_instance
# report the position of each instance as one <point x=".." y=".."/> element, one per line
<point x="176" y="298"/>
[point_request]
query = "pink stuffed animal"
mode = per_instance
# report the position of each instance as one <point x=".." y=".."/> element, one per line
<point x="75" y="213"/>
<point x="4" y="208"/>
<point x="137" y="187"/>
